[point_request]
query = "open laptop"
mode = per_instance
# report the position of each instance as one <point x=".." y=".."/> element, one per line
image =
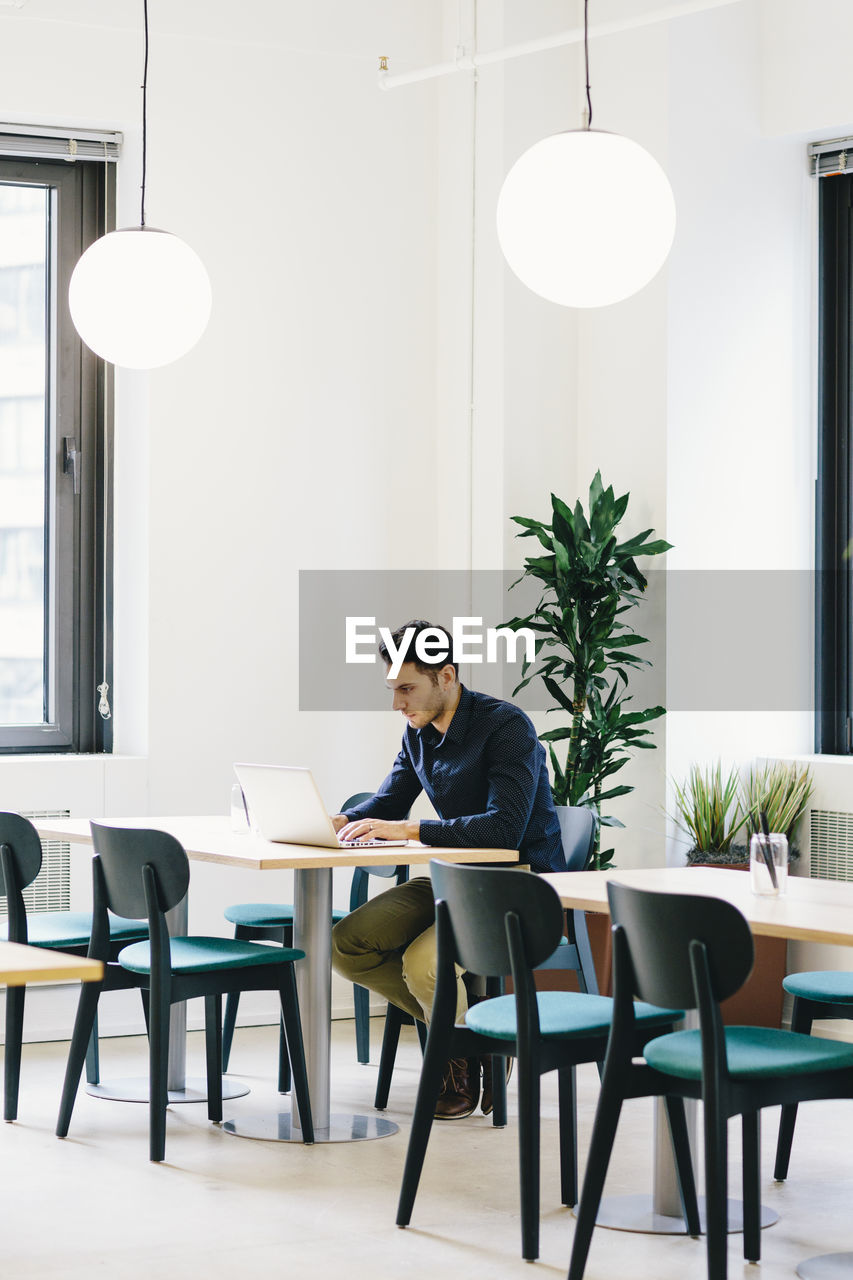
<point x="286" y="806"/>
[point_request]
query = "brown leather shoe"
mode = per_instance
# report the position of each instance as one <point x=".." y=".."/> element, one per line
<point x="460" y="1089"/>
<point x="487" y="1105"/>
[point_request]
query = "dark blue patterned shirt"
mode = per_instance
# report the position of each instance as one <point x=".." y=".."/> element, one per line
<point x="487" y="780"/>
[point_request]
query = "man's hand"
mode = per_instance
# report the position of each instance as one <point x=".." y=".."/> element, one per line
<point x="376" y="829"/>
<point x="339" y="820"/>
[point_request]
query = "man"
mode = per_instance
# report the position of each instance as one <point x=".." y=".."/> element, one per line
<point x="481" y="765"/>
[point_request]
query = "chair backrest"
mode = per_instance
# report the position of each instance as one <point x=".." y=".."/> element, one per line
<point x="577" y="827"/>
<point x="478" y="900"/>
<point x="659" y="929"/>
<point x="124" y="851"/>
<point x="21" y="838"/>
<point x="20" y="863"/>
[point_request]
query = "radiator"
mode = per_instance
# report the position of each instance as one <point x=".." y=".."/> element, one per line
<point x="830" y="844"/>
<point x="51" y="889"/>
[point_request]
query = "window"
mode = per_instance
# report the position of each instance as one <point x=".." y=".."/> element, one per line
<point x="54" y="436"/>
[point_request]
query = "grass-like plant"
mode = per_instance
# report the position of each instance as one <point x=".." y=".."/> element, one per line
<point x="782" y="790"/>
<point x="709" y="808"/>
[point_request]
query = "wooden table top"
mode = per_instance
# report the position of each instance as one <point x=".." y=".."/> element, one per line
<point x="20" y="965"/>
<point x="809" y="910"/>
<point x="210" y="839"/>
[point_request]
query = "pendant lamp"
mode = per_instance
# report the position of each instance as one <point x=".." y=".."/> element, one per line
<point x="586" y="218"/>
<point x="140" y="297"/>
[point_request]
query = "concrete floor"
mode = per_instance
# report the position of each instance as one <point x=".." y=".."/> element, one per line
<point x="224" y="1207"/>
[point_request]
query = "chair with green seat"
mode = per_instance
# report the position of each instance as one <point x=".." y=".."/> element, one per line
<point x="137" y="870"/>
<point x="20" y="863"/>
<point x="824" y="994"/>
<point x="695" y="952"/>
<point x="499" y="922"/>
<point x="573" y="953"/>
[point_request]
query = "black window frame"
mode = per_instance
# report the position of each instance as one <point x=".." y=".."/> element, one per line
<point x="78" y="527"/>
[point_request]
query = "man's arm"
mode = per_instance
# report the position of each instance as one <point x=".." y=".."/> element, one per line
<point x="395" y="796"/>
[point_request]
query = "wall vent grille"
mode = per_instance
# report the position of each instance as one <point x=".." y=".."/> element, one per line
<point x="51" y="889"/>
<point x="831" y="844"/>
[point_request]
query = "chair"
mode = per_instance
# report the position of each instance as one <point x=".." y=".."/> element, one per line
<point x="273" y="921"/>
<point x="492" y="923"/>
<point x="138" y="870"/>
<point x="823" y="994"/>
<point x="577" y="826"/>
<point x="695" y="952"/>
<point x="20" y="863"/>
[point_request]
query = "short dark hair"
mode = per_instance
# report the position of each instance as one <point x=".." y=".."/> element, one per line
<point x="418" y="625"/>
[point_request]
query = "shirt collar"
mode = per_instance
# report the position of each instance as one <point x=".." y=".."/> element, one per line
<point x="458" y="726"/>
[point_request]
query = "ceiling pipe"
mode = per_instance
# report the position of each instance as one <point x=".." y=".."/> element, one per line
<point x="470" y="62"/>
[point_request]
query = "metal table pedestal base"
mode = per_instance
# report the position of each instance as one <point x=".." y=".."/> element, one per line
<point x="637" y="1213"/>
<point x="830" y="1266"/>
<point x="279" y="1128"/>
<point x="135" y="1089"/>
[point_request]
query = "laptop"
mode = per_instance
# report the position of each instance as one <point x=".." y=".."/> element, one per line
<point x="286" y="806"/>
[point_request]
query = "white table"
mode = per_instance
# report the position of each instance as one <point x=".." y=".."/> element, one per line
<point x="211" y="839"/>
<point x="809" y="911"/>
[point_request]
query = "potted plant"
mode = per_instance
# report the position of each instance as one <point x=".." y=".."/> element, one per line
<point x="586" y="648"/>
<point x="713" y="810"/>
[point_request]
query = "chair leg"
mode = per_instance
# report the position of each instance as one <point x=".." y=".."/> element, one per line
<point x="93" y="1058"/>
<point x="14" y="1039"/>
<point x="284" y="1078"/>
<point x="683" y="1158"/>
<point x="601" y="1145"/>
<point x="751" y="1128"/>
<point x="84" y="1022"/>
<point x="716" y="1203"/>
<point x="567" y="1092"/>
<point x="213" y="1053"/>
<point x="435" y="1058"/>
<point x="232" y="1000"/>
<point x="296" y="1050"/>
<point x="528" y="1157"/>
<point x="361" y="1000"/>
<point x="801" y="1020"/>
<point x="158" y="1072"/>
<point x="390" y="1041"/>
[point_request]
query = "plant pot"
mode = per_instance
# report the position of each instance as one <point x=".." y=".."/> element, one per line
<point x="759" y="1001"/>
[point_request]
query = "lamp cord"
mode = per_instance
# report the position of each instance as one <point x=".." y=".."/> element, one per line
<point x="144" y="110"/>
<point x="586" y="62"/>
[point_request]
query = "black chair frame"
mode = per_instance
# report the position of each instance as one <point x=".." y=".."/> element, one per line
<point x="692" y="952"/>
<point x="20" y="863"/>
<point x="136" y="870"/>
<point x="495" y="923"/>
<point x="803" y="1013"/>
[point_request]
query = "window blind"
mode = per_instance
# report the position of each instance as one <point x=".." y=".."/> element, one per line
<point x="42" y="143"/>
<point x="829" y="158"/>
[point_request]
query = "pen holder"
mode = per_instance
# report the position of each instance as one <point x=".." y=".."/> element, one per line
<point x="766" y="852"/>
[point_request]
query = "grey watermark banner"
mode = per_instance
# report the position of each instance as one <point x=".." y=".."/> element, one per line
<point x="719" y="640"/>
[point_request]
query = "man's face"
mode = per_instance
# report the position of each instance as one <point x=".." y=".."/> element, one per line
<point x="419" y="695"/>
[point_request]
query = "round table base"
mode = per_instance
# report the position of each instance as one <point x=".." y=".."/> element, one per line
<point x="279" y="1128"/>
<point x="829" y="1266"/>
<point x="636" y="1213"/>
<point x="135" y="1089"/>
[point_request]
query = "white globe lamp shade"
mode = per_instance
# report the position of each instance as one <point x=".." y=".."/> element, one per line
<point x="140" y="297"/>
<point x="586" y="218"/>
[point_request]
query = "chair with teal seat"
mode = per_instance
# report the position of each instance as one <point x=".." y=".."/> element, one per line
<point x="20" y="863"/>
<point x="573" y="953"/>
<point x="495" y="923"/>
<point x="824" y="994"/>
<point x="136" y="870"/>
<point x="695" y="952"/>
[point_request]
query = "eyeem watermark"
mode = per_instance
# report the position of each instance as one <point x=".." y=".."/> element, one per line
<point x="468" y="639"/>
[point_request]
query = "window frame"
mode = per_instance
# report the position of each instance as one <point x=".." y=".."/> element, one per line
<point x="78" y="560"/>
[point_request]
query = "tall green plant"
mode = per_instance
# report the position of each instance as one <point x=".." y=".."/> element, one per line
<point x="709" y="808"/>
<point x="586" y="650"/>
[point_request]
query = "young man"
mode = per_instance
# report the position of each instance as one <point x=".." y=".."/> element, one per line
<point x="483" y="768"/>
